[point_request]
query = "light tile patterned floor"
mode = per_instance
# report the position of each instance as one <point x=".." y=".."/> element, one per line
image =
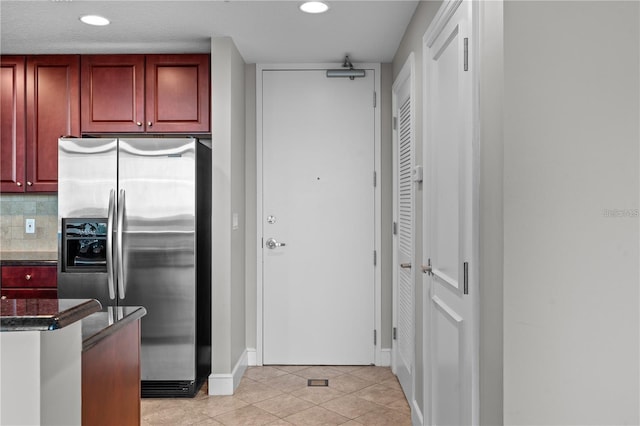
<point x="279" y="395"/>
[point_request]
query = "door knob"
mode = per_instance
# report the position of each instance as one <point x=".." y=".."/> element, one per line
<point x="272" y="243"/>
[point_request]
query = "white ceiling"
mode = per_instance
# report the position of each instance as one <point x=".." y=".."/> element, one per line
<point x="264" y="31"/>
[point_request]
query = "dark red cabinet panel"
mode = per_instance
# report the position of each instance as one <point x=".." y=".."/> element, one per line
<point x="29" y="276"/>
<point x="12" y="129"/>
<point x="40" y="97"/>
<point x="112" y="95"/>
<point x="29" y="282"/>
<point x="152" y="93"/>
<point x="111" y="379"/>
<point x="177" y="97"/>
<point x="53" y="110"/>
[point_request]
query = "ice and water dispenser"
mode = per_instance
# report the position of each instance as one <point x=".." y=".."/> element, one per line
<point x="84" y="244"/>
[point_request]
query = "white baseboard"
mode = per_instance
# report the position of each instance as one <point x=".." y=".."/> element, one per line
<point x="226" y="384"/>
<point x="384" y="358"/>
<point x="252" y="357"/>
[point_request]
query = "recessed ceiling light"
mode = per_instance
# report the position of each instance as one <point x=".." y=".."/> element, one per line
<point x="94" y="20"/>
<point x="314" y="7"/>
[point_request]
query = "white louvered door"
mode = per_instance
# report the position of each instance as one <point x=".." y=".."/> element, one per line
<point x="404" y="241"/>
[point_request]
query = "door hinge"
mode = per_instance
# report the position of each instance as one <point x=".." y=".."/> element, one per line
<point x="375" y="337"/>
<point x="262" y="242"/>
<point x="465" y="267"/>
<point x="374" y="99"/>
<point x="395" y="333"/>
<point x="466" y="54"/>
<point x="375" y="258"/>
<point x="375" y="179"/>
<point x="395" y="123"/>
<point x="395" y="228"/>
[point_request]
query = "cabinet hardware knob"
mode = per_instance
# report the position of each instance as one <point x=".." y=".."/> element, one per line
<point x="27" y="277"/>
<point x="139" y="124"/>
<point x="19" y="183"/>
<point x="3" y="297"/>
<point x="29" y="183"/>
<point x="149" y="124"/>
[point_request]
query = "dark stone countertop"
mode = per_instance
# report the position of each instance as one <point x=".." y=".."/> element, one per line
<point x="44" y="314"/>
<point x="101" y="325"/>
<point x="28" y="258"/>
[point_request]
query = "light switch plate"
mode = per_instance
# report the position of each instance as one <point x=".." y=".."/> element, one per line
<point x="235" y="224"/>
<point x="30" y="226"/>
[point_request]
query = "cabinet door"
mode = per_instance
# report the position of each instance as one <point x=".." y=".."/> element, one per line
<point x="53" y="110"/>
<point x="12" y="130"/>
<point x="112" y="93"/>
<point x="29" y="276"/>
<point x="177" y="97"/>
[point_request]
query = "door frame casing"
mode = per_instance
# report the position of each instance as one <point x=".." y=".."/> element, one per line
<point x="381" y="357"/>
<point x="444" y="14"/>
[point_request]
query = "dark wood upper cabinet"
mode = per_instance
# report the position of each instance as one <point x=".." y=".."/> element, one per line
<point x="53" y="110"/>
<point x="152" y="93"/>
<point x="177" y="93"/>
<point x="112" y="95"/>
<point x="12" y="129"/>
<point x="40" y="97"/>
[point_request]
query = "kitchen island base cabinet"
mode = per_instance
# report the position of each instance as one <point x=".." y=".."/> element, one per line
<point x="40" y="380"/>
<point x="111" y="379"/>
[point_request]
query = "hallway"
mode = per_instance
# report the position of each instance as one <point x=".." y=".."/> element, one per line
<point x="280" y="395"/>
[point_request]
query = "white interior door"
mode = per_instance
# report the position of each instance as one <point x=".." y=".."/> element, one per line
<point x="404" y="218"/>
<point x="319" y="207"/>
<point x="449" y="218"/>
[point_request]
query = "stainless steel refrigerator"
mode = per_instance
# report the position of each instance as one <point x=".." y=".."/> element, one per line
<point x="134" y="229"/>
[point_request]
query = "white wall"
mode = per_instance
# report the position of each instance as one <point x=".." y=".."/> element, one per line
<point x="251" y="209"/>
<point x="571" y="155"/>
<point x="228" y="273"/>
<point x="491" y="236"/>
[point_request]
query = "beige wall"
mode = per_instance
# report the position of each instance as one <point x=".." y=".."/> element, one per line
<point x="571" y="324"/>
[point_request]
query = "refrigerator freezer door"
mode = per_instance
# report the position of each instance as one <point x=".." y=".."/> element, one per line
<point x="87" y="172"/>
<point x="158" y="237"/>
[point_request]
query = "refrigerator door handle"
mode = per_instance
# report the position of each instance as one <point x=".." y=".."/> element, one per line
<point x="119" y="253"/>
<point x="110" y="270"/>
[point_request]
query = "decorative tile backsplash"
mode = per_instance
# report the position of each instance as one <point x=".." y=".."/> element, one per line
<point x="14" y="209"/>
